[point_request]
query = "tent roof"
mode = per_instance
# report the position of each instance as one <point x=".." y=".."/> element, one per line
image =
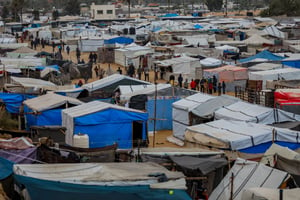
<point x="243" y="111"/>
<point x="31" y="82"/>
<point x="207" y="109"/>
<point x="273" y="31"/>
<point x="265" y="66"/>
<point x="210" y="62"/>
<point x="264" y="55"/>
<point x="95" y="173"/>
<point x="177" y="60"/>
<point x="173" y="151"/>
<point x="24" y="50"/>
<point x="226" y="68"/>
<point x="109" y="80"/>
<point x="93" y="107"/>
<point x="277" y="71"/>
<point x="268" y="193"/>
<point x="257" y="40"/>
<point x="192" y="101"/>
<point x="50" y="101"/>
<point x="247" y="174"/>
<point x="237" y="135"/>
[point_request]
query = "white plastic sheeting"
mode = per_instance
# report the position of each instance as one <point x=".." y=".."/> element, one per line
<point x="236" y="135"/>
<point x="270" y="194"/>
<point x="181" y="110"/>
<point x="247" y="174"/>
<point x="248" y="112"/>
<point x="277" y="74"/>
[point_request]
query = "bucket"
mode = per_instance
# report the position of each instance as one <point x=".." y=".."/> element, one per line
<point x="81" y="140"/>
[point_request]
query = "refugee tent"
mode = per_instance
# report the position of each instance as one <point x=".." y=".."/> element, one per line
<point x="165" y="94"/>
<point x="105" y="124"/>
<point x="291" y="62"/>
<point x="244" y="137"/>
<point x="90" y="45"/>
<point x="195" y="41"/>
<point x="244" y="175"/>
<point x="274" y="31"/>
<point x="206" y="110"/>
<point x="29" y="85"/>
<point x="265" y="66"/>
<point x="289" y="165"/>
<point x="257" y="40"/>
<point x="243" y="111"/>
<point x="231" y="75"/>
<point x="287" y="100"/>
<point x="276" y="74"/>
<point x="181" y="112"/>
<point x="13" y="101"/>
<point x="74" y="93"/>
<point x="267" y="55"/>
<point x="119" y="40"/>
<point x="23" y="62"/>
<point x="267" y="193"/>
<point x="221" y="49"/>
<point x="184" y="65"/>
<point x="110" y="83"/>
<point x="21" y="53"/>
<point x="128" y="181"/>
<point x="131" y="54"/>
<point x="46" y="110"/>
<point x="210" y="62"/>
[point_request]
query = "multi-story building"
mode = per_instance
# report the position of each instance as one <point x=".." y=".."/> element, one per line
<point x="103" y="11"/>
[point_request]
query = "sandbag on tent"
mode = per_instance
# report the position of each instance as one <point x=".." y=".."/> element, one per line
<point x="243" y="111"/>
<point x="247" y="174"/>
<point x="270" y="194"/>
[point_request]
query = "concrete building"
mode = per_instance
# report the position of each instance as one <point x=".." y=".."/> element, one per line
<point x="103" y="11"/>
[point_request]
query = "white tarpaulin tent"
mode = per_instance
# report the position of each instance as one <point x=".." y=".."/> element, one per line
<point x="90" y="45"/>
<point x="247" y="174"/>
<point x="270" y="194"/>
<point x="275" y="32"/>
<point x="181" y="110"/>
<point x="248" y="112"/>
<point x="184" y="65"/>
<point x="237" y="135"/>
<point x="265" y="66"/>
<point x="277" y="74"/>
<point x="223" y="48"/>
<point x="131" y="54"/>
<point x="24" y="62"/>
<point x="210" y="62"/>
<point x="257" y="40"/>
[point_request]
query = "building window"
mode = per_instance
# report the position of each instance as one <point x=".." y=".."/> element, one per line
<point x="99" y="12"/>
<point x="109" y="12"/>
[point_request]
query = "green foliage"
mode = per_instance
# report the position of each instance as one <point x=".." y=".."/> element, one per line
<point x="72" y="7"/>
<point x="214" y="5"/>
<point x="6" y="122"/>
<point x="282" y="7"/>
<point x="55" y="15"/>
<point x="5" y="12"/>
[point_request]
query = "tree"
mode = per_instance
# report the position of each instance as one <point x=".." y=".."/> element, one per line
<point x="214" y="5"/>
<point x="72" y="7"/>
<point x="5" y="12"/>
<point x="55" y="15"/>
<point x="17" y="9"/>
<point x="282" y="7"/>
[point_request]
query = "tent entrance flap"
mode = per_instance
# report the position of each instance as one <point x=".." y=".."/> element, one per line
<point x="137" y="134"/>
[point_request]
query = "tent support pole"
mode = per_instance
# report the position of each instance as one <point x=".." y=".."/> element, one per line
<point x="154" y="124"/>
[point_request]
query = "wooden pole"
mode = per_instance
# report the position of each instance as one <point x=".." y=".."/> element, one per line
<point x="231" y="185"/>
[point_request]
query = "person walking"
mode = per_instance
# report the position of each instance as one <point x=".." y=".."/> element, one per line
<point x="119" y="70"/>
<point x="139" y="72"/>
<point x="96" y="69"/>
<point x="95" y="57"/>
<point x="224" y="87"/>
<point x="214" y="81"/>
<point x="78" y="54"/>
<point x="68" y="50"/>
<point x="180" y="80"/>
<point x="219" y="89"/>
<point x="146" y="73"/>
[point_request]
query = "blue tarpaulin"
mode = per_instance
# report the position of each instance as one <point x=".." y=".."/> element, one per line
<point x="262" y="148"/>
<point x="198" y="26"/>
<point x="292" y="63"/>
<point x="163" y="113"/>
<point x="13" y="101"/>
<point x="44" y="118"/>
<point x="110" y="126"/>
<point x="170" y="15"/>
<point x="56" y="67"/>
<point x="265" y="55"/>
<point x="57" y="190"/>
<point x="119" y="40"/>
<point x="6" y="168"/>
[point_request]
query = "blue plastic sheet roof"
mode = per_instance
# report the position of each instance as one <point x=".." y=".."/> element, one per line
<point x="265" y="55"/>
<point x="120" y="40"/>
